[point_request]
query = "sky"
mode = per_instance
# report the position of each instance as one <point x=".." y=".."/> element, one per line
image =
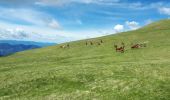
<point x="68" y="20"/>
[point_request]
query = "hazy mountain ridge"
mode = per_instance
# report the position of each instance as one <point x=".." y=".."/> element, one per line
<point x="7" y="49"/>
<point x="14" y="42"/>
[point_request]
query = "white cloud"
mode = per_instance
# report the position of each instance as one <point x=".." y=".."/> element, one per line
<point x="54" y="24"/>
<point x="132" y="25"/>
<point x="96" y="1"/>
<point x="116" y="3"/>
<point x="119" y="28"/>
<point x="164" y="10"/>
<point x="45" y="34"/>
<point x="16" y="33"/>
<point x="63" y="2"/>
<point x="129" y="25"/>
<point x="10" y="31"/>
<point x="28" y="16"/>
<point x="53" y="2"/>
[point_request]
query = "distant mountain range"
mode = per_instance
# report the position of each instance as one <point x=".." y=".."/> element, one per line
<point x="8" y="47"/>
<point x="14" y="42"/>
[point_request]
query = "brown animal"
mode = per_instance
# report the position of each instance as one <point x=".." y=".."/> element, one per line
<point x="139" y="45"/>
<point x="120" y="49"/>
<point x="135" y="46"/>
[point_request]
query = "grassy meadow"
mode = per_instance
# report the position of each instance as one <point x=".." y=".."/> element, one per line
<point x="92" y="72"/>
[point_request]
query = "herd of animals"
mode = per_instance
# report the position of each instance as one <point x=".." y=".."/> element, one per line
<point x="120" y="48"/>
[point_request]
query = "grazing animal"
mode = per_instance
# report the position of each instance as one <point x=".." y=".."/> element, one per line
<point x="135" y="46"/>
<point x="101" y="41"/>
<point x="144" y="44"/>
<point x="63" y="46"/>
<point x="68" y="45"/>
<point x="91" y="42"/>
<point x="139" y="45"/>
<point x="98" y="43"/>
<point x="120" y="49"/>
<point x="86" y="43"/>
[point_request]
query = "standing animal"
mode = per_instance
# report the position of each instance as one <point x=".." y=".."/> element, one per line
<point x="120" y="49"/>
<point x="86" y="43"/>
<point x="62" y="46"/>
<point x="91" y="42"/>
<point x="101" y="41"/>
<point x="65" y="46"/>
<point x="68" y="45"/>
<point x="98" y="43"/>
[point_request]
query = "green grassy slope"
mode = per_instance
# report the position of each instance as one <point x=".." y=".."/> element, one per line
<point x="92" y="72"/>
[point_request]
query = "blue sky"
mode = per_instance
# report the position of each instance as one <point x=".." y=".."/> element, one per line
<point x="67" y="20"/>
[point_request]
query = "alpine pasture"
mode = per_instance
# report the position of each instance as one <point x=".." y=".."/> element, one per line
<point x="92" y="72"/>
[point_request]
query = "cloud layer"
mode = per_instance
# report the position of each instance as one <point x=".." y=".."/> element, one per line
<point x="28" y="16"/>
<point x="54" y="2"/>
<point x="61" y="20"/>
<point x="164" y="10"/>
<point x="132" y="25"/>
<point x="118" y="28"/>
